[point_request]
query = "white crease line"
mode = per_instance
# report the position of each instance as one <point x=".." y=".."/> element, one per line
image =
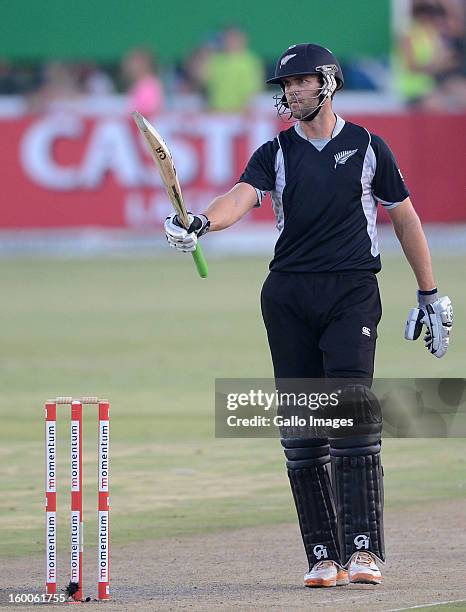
<point x="428" y="605"/>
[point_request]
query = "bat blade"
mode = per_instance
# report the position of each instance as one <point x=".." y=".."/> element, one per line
<point x="164" y="161"/>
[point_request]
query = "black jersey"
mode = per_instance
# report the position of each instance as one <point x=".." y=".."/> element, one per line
<point x="325" y="201"/>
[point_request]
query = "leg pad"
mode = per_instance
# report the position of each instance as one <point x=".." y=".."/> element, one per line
<point x="307" y="465"/>
<point x="357" y="477"/>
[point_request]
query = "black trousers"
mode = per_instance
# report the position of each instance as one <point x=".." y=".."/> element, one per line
<point x="322" y="324"/>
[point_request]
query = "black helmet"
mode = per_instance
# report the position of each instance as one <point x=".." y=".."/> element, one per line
<point x="306" y="58"/>
<point x="303" y="59"/>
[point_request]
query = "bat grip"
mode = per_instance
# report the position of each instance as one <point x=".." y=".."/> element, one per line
<point x="200" y="262"/>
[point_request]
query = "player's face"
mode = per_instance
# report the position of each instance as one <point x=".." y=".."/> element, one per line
<point x="302" y="94"/>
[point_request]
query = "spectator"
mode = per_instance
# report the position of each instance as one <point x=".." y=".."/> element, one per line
<point x="232" y="75"/>
<point x="146" y="91"/>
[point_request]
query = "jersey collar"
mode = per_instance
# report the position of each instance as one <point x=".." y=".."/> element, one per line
<point x="339" y="125"/>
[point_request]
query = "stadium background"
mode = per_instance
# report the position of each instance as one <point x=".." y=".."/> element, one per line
<point x="95" y="303"/>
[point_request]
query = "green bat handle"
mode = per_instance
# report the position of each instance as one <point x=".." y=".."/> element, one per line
<point x="200" y="262"/>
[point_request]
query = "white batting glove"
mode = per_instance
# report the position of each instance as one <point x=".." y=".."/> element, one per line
<point x="438" y="319"/>
<point x="437" y="315"/>
<point x="185" y="240"/>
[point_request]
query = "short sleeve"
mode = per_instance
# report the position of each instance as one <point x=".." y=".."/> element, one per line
<point x="388" y="185"/>
<point x="260" y="170"/>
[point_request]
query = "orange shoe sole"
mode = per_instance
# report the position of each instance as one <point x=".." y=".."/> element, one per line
<point x="319" y="582"/>
<point x="362" y="578"/>
<point x="341" y="580"/>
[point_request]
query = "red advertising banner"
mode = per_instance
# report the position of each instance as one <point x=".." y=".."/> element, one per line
<point x="66" y="171"/>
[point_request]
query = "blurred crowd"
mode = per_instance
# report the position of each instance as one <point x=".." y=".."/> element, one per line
<point x="223" y="74"/>
<point x="431" y="56"/>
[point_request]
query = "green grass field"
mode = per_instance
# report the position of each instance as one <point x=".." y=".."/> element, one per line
<point x="124" y="329"/>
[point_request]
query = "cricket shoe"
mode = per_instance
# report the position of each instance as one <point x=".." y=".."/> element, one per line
<point x="363" y="569"/>
<point x="326" y="574"/>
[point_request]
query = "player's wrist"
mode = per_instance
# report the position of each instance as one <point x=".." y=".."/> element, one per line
<point x="427" y="297"/>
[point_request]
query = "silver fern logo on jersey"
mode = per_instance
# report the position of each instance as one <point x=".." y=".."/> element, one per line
<point x="286" y="59"/>
<point x="343" y="157"/>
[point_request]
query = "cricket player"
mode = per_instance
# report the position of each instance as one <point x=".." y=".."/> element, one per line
<point x="320" y="302"/>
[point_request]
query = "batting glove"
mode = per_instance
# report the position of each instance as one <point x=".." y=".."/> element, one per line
<point x="437" y="315"/>
<point x="182" y="239"/>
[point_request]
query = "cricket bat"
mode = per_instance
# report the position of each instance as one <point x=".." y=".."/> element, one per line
<point x="164" y="162"/>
